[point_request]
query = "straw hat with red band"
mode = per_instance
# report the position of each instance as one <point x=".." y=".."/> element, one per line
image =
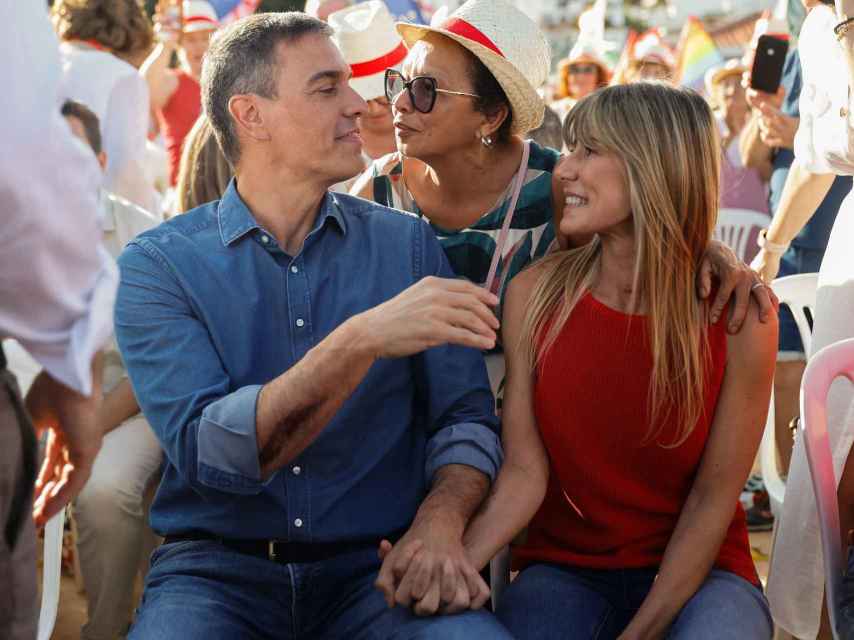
<point x="508" y="43"/>
<point x="199" y="16"/>
<point x="370" y="44"/>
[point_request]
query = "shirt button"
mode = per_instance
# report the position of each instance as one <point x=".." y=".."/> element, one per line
<point x="297" y="470"/>
<point x="298" y="522"/>
<point x="300" y="322"/>
<point x="265" y="239"/>
<point x="294" y="269"/>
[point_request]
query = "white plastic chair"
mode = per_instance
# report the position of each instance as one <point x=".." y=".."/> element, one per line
<point x="798" y="292"/>
<point x="824" y="367"/>
<point x="734" y="228"/>
<point x="51" y="574"/>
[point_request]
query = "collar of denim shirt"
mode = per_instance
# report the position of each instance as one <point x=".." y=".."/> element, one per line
<point x="236" y="220"/>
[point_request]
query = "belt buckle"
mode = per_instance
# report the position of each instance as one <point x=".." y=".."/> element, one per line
<point x="271" y="550"/>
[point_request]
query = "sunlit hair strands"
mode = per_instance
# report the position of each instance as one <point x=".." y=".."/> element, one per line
<point x="668" y="140"/>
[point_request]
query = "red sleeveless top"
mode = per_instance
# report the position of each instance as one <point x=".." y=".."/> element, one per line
<point x="613" y="501"/>
<point x="177" y="118"/>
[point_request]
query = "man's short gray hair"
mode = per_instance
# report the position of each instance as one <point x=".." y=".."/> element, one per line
<point x="242" y="60"/>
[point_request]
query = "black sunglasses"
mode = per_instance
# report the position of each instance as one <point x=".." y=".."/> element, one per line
<point x="422" y="90"/>
<point x="582" y="68"/>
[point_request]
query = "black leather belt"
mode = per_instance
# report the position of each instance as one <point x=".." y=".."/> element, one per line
<point x="284" y="552"/>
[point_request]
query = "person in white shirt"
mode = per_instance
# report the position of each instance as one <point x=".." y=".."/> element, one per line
<point x="94" y="33"/>
<point x="824" y="148"/>
<point x="57" y="289"/>
<point x="114" y="539"/>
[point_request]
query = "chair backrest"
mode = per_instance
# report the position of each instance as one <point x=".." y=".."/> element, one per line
<point x="798" y="292"/>
<point x="824" y="367"/>
<point x="735" y="227"/>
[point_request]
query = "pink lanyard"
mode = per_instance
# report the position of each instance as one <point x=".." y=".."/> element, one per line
<point x="508" y="217"/>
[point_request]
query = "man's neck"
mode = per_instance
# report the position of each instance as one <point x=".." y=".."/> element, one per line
<point x="286" y="207"/>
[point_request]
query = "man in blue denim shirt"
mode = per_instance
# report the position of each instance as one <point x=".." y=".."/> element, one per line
<point x="313" y="373"/>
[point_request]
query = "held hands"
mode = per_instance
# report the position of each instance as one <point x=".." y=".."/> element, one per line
<point x="428" y="571"/>
<point x="432" y="312"/>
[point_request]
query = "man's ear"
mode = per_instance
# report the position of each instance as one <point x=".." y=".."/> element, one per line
<point x="248" y="118"/>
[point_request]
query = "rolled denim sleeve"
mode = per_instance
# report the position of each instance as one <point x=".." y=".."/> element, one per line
<point x="453" y="388"/>
<point x="227" y="438"/>
<point x="205" y="425"/>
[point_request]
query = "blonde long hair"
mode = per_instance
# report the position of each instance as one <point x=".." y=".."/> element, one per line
<point x="668" y="140"/>
<point x="203" y="173"/>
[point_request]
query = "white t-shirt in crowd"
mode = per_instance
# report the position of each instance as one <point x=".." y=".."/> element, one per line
<point x="118" y="95"/>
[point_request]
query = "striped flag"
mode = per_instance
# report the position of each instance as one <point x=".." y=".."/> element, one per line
<point x="229" y="10"/>
<point x="406" y="10"/>
<point x="697" y="54"/>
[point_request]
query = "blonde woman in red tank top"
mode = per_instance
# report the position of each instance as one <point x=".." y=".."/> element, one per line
<point x="631" y="419"/>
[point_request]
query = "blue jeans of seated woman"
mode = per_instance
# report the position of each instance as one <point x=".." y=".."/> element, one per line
<point x="548" y="601"/>
<point x="199" y="590"/>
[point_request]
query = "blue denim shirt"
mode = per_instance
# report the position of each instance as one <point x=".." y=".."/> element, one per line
<point x="210" y="308"/>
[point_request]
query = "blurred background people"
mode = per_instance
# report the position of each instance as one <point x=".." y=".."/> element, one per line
<point x="767" y="144"/>
<point x="586" y="68"/>
<point x="94" y="34"/>
<point x="651" y="59"/>
<point x="175" y="93"/>
<point x="56" y="299"/>
<point x="114" y="539"/>
<point x="824" y="148"/>
<point x="366" y="36"/>
<point x="741" y="187"/>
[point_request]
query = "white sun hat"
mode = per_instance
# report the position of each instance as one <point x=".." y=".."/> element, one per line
<point x="370" y="44"/>
<point x="651" y="48"/>
<point x="199" y="16"/>
<point x="508" y="43"/>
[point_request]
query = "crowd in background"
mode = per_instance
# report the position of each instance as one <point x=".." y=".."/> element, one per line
<point x="577" y="199"/>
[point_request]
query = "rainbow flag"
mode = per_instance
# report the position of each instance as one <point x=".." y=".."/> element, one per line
<point x="697" y="54"/>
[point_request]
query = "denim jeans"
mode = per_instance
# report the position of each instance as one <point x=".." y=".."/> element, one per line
<point x="548" y="601"/>
<point x="198" y="590"/>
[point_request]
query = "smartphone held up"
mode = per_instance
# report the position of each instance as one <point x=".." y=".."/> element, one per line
<point x="768" y="63"/>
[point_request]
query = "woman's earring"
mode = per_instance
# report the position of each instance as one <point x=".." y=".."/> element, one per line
<point x="486" y="141"/>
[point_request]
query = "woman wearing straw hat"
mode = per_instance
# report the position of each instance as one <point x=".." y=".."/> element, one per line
<point x="741" y="187"/>
<point x="464" y="99"/>
<point x="584" y="71"/>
